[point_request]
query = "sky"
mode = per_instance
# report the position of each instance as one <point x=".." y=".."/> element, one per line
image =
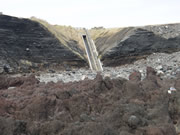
<point x="96" y="13"/>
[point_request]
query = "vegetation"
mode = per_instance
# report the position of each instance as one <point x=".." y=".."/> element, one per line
<point x="64" y="34"/>
<point x="102" y="32"/>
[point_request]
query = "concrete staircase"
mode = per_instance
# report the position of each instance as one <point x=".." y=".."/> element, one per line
<point x="92" y="54"/>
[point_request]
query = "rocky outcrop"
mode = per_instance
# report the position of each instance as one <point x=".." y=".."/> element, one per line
<point x="129" y="44"/>
<point x="26" y="45"/>
<point x="90" y="107"/>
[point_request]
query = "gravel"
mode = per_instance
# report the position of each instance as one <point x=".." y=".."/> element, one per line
<point x="166" y="65"/>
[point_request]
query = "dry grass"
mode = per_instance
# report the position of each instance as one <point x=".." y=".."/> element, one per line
<point x="102" y="32"/>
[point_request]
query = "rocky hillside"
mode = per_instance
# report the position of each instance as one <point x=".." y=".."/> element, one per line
<point x="117" y="46"/>
<point x="26" y="45"/>
<point x="30" y="44"/>
<point x="121" y="46"/>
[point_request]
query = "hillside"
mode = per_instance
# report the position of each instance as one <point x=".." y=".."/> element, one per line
<point x="125" y="45"/>
<point x="67" y="35"/>
<point x="118" y="46"/>
<point x="26" y="45"/>
<point x="32" y="43"/>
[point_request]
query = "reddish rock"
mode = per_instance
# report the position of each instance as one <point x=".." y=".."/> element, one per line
<point x="3" y="82"/>
<point x="150" y="71"/>
<point x="135" y="76"/>
<point x="98" y="107"/>
<point x="154" y="131"/>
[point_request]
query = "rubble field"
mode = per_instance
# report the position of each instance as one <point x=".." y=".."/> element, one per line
<point x="101" y="106"/>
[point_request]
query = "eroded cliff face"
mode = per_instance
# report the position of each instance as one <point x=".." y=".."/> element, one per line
<point x="26" y="45"/>
<point x="129" y="44"/>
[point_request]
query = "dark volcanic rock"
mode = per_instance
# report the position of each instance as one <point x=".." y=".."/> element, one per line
<point x="135" y="76"/>
<point x="97" y="107"/>
<point x="133" y="121"/>
<point x="133" y="43"/>
<point x="26" y="45"/>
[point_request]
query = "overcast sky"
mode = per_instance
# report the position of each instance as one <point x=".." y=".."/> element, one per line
<point x="90" y="13"/>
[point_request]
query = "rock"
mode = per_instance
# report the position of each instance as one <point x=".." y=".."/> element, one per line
<point x="48" y="128"/>
<point x="159" y="67"/>
<point x="1" y="70"/>
<point x="6" y="68"/>
<point x="6" y="126"/>
<point x="154" y="131"/>
<point x="150" y="71"/>
<point x="4" y="83"/>
<point x="83" y="77"/>
<point x="10" y="88"/>
<point x="84" y="118"/>
<point x="52" y="71"/>
<point x="133" y="121"/>
<point x="168" y="129"/>
<point x="135" y="76"/>
<point x="169" y="68"/>
<point x="160" y="73"/>
<point x="100" y="106"/>
<point x="108" y="83"/>
<point x="20" y="127"/>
